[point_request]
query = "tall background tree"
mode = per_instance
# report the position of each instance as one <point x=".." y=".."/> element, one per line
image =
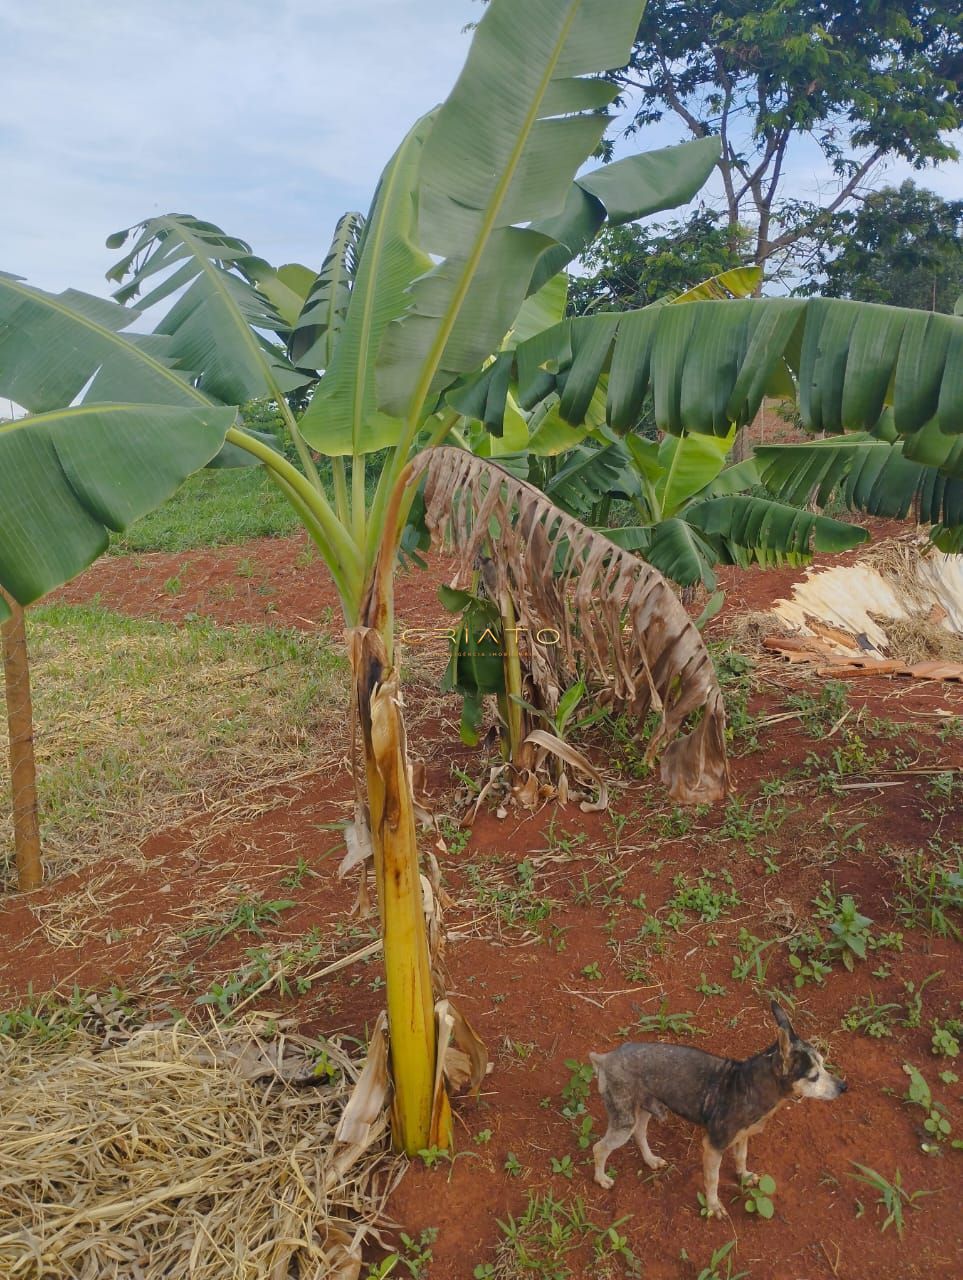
<point x="631" y="266"/>
<point x="864" y="82"/>
<point x="903" y="246"/>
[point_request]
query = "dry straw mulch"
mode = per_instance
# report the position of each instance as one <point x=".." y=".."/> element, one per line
<point x="168" y="1153"/>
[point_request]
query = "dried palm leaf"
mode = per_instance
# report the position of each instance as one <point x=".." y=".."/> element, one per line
<point x="617" y="618"/>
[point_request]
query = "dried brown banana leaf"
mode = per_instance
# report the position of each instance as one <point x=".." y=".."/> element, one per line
<point x="617" y="618"/>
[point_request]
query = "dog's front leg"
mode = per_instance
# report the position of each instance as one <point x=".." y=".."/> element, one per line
<point x="711" y="1160"/>
<point x="740" y="1150"/>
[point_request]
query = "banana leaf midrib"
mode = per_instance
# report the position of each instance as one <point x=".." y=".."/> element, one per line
<point x="381" y="233"/>
<point x="496" y="201"/>
<point x="80" y="410"/>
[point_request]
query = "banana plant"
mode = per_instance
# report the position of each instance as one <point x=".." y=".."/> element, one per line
<point x="477" y="211"/>
<point x="693" y="511"/>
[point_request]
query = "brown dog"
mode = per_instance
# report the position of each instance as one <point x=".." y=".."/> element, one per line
<point x="731" y="1100"/>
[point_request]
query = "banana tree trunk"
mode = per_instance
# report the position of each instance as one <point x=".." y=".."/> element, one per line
<point x="23" y="772"/>
<point x="421" y="1116"/>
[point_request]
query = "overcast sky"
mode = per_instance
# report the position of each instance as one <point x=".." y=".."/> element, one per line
<point x="268" y="117"/>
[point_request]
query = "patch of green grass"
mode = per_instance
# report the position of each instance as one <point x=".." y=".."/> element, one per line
<point x="249" y="915"/>
<point x="930" y="892"/>
<point x="53" y="1017"/>
<point x="709" y="896"/>
<point x="139" y="723"/>
<point x="212" y="508"/>
<point x="872" y="1017"/>
<point x="663" y="1023"/>
<point x="820" y="712"/>
<point x="714" y="1269"/>
<point x="542" y="1240"/>
<point x="517" y="903"/>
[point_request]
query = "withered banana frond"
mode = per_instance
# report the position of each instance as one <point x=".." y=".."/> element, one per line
<point x="617" y="618"/>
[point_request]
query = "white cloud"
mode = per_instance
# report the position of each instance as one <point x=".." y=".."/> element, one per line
<point x="268" y="118"/>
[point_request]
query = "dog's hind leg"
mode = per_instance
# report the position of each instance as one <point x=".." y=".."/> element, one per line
<point x="616" y="1136"/>
<point x="642" y="1142"/>
<point x="711" y="1160"/>
<point x="740" y="1151"/>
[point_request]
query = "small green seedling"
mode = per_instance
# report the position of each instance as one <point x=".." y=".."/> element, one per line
<point x="847" y="925"/>
<point x="565" y="1167"/>
<point x="512" y="1165"/>
<point x="892" y="1195"/>
<point x="944" y="1041"/>
<point x="576" y="1091"/>
<point x="937" y="1123"/>
<point x="714" y="1270"/>
<point x="758" y="1198"/>
<point x="432" y="1155"/>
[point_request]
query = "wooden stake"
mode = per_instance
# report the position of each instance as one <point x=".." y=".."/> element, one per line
<point x="23" y="770"/>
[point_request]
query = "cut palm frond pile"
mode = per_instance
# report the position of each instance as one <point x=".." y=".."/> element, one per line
<point x="897" y="611"/>
<point x="140" y="725"/>
<point x="616" y="618"/>
<point x="170" y="1153"/>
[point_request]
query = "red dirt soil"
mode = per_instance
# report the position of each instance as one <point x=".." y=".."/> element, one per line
<point x="571" y="968"/>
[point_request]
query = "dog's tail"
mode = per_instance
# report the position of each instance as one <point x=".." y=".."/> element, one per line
<point x="598" y="1062"/>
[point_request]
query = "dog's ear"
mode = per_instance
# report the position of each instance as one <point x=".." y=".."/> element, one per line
<point x="782" y="1022"/>
<point x="785" y="1035"/>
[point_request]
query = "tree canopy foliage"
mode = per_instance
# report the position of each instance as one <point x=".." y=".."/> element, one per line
<point x="903" y="246"/>
<point x="631" y="266"/>
<point x="863" y="81"/>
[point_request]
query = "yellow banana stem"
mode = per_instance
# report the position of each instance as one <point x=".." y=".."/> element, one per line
<point x="411" y="1020"/>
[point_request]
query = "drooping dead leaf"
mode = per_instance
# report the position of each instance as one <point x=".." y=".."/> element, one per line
<point x="367" y="1102"/>
<point x="468" y="1064"/>
<point x="440" y="1106"/>
<point x="357" y="839"/>
<point x="616" y="617"/>
<point x="546" y="741"/>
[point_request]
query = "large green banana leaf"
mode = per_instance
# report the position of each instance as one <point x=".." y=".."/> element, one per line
<point x="343" y="417"/>
<point x="869" y="475"/>
<point x="474" y="213"/>
<point x="686" y="465"/>
<point x="590" y="474"/>
<point x="55" y="346"/>
<point x="741" y="529"/>
<point x="218" y="324"/>
<point x="709" y="363"/>
<point x="477" y="187"/>
<point x="679" y="551"/>
<point x="749" y="529"/>
<point x="633" y="187"/>
<point x="502" y="151"/>
<point x="69" y="476"/>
